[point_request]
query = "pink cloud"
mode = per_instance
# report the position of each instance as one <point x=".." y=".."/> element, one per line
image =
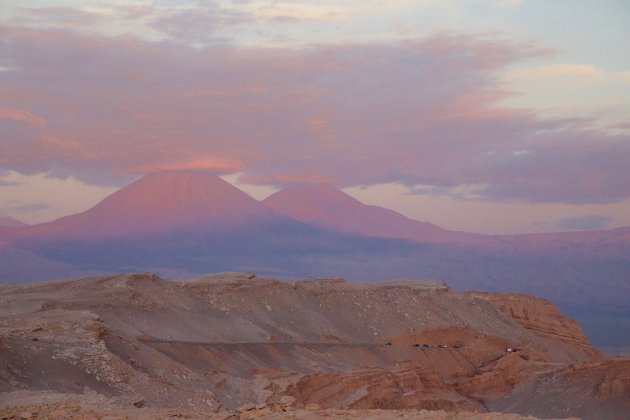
<point x="419" y="112"/>
<point x="22" y="116"/>
<point x="214" y="163"/>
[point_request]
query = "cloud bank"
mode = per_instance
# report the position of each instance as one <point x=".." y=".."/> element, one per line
<point x="418" y="112"/>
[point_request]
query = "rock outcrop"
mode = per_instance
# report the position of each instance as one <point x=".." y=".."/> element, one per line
<point x="400" y="388"/>
<point x="545" y="320"/>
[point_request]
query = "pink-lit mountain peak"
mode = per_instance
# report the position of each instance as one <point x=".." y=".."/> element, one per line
<point x="313" y="202"/>
<point x="179" y="196"/>
<point x="334" y="209"/>
<point x="162" y="202"/>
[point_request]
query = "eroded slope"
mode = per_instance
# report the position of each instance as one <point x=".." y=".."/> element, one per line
<point x="218" y="342"/>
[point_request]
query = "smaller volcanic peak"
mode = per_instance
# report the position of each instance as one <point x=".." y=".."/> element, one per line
<point x="333" y="209"/>
<point x="10" y="222"/>
<point x="325" y="206"/>
<point x="161" y="203"/>
<point x="9" y="225"/>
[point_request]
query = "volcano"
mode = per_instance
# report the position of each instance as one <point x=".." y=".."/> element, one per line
<point x="9" y="225"/>
<point x="333" y="209"/>
<point x="162" y="203"/>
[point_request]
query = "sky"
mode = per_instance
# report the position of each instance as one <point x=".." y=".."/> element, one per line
<point x="492" y="116"/>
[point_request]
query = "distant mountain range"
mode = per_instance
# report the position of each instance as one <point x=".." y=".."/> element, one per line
<point x="196" y="202"/>
<point x="181" y="224"/>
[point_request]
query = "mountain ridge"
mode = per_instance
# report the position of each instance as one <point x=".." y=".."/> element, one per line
<point x="334" y="209"/>
<point x="171" y="200"/>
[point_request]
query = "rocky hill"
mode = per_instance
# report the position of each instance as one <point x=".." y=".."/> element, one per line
<point x="216" y="343"/>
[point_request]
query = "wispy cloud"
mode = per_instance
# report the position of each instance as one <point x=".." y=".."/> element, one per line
<point x="10" y="183"/>
<point x="579" y="90"/>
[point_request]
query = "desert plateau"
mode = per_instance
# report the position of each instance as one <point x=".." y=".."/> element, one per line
<point x="234" y="344"/>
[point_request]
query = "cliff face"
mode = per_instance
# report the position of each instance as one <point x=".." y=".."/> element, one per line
<point x="218" y="342"/>
<point x="543" y="318"/>
<point x="397" y="389"/>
